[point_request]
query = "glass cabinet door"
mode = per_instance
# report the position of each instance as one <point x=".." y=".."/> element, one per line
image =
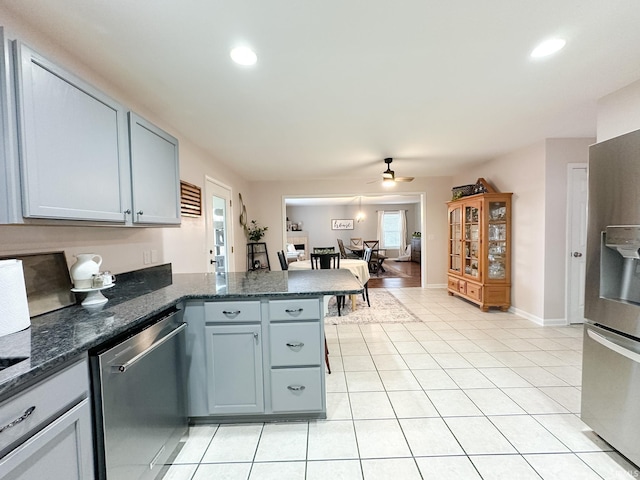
<point x="455" y="239"/>
<point x="497" y="251"/>
<point x="471" y="240"/>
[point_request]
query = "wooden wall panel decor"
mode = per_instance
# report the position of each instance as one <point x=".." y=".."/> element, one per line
<point x="190" y="200"/>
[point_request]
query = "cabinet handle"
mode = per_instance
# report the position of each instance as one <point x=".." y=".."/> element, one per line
<point x="140" y="212"/>
<point x="231" y="312"/>
<point x="18" y="420"/>
<point x="292" y="310"/>
<point x="125" y="213"/>
<point x="296" y="388"/>
<point x="295" y="345"/>
<point x="255" y="335"/>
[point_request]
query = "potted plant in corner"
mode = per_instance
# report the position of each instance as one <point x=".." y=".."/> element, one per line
<point x="255" y="232"/>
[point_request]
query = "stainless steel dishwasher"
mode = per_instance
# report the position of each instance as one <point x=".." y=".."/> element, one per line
<point x="140" y="400"/>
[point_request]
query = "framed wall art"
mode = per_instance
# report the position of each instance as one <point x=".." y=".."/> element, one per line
<point x="342" y="224"/>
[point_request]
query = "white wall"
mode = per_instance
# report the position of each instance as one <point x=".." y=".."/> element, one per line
<point x="559" y="153"/>
<point x="619" y="112"/>
<point x="122" y="248"/>
<point x="537" y="176"/>
<point x="521" y="172"/>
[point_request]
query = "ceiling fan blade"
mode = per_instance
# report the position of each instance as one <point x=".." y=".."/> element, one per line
<point x="404" y="179"/>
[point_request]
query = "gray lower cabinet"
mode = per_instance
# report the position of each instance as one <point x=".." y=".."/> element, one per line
<point x="255" y="358"/>
<point x="296" y="350"/>
<point x="46" y="430"/>
<point x="234" y="363"/>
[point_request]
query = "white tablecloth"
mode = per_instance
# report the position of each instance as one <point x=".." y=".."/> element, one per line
<point x="359" y="268"/>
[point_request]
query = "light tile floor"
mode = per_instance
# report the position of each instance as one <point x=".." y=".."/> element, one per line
<point x="461" y="395"/>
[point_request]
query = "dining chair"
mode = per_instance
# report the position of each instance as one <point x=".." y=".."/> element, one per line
<point x="375" y="263"/>
<point x="326" y="261"/>
<point x="366" y="256"/>
<point x="356" y="242"/>
<point x="343" y="252"/>
<point x="324" y="250"/>
<point x="284" y="265"/>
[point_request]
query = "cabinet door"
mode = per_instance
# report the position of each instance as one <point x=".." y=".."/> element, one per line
<point x="73" y="145"/>
<point x="471" y="239"/>
<point x="234" y="368"/>
<point x="498" y="247"/>
<point x="155" y="174"/>
<point x="63" y="449"/>
<point x="455" y="239"/>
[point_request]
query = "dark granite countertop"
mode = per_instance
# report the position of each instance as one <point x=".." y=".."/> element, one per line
<point x="56" y="337"/>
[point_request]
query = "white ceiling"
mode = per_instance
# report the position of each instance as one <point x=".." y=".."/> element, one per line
<point x="339" y="85"/>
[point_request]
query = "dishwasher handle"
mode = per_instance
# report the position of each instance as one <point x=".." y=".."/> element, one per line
<point x="123" y="367"/>
<point x="602" y="340"/>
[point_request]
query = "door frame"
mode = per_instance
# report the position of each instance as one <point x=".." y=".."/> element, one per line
<point x="210" y="182"/>
<point x="569" y="235"/>
<point x="423" y="218"/>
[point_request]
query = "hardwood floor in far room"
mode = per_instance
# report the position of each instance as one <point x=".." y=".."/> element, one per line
<point x="408" y="268"/>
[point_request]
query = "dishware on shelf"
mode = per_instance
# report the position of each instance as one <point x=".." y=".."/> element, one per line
<point x="87" y="265"/>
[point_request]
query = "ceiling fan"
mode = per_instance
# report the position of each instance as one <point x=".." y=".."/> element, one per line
<point x="389" y="176"/>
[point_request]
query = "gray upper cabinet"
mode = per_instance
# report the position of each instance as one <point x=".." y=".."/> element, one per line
<point x="155" y="173"/>
<point x="10" y="204"/>
<point x="73" y="145"/>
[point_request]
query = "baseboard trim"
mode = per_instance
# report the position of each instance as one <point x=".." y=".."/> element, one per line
<point x="543" y="322"/>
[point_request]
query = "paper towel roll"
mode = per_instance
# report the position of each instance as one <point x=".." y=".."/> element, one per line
<point x="14" y="308"/>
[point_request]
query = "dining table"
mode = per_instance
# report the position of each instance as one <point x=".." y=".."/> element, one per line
<point x="359" y="268"/>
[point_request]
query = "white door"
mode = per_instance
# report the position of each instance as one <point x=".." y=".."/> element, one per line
<point x="219" y="231"/>
<point x="577" y="187"/>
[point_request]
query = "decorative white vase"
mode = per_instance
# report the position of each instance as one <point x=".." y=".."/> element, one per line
<point x="87" y="265"/>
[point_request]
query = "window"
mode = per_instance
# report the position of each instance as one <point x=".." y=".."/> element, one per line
<point x="391" y="230"/>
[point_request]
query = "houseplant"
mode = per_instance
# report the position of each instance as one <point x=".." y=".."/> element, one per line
<point x="255" y="232"/>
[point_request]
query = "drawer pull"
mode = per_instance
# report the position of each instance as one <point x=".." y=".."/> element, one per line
<point x="295" y="345"/>
<point x="21" y="418"/>
<point x="231" y="312"/>
<point x="296" y="388"/>
<point x="294" y="310"/>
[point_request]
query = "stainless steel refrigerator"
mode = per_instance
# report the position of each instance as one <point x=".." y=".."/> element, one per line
<point x="611" y="360"/>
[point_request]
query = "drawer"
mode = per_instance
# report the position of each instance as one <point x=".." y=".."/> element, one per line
<point x="295" y="344"/>
<point x="452" y="283"/>
<point x="225" y="312"/>
<point x="36" y="405"/>
<point x="303" y="309"/>
<point x="474" y="291"/>
<point x="296" y="389"/>
<point x="462" y="286"/>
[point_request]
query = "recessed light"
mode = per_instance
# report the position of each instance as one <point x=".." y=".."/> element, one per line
<point x="548" y="47"/>
<point x="244" y="56"/>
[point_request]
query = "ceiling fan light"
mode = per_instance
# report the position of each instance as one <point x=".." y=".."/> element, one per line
<point x="243" y="56"/>
<point x="388" y="182"/>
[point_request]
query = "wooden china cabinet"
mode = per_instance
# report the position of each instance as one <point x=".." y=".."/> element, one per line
<point x="479" y="263"/>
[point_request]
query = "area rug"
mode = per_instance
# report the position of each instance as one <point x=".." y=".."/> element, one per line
<point x="389" y="271"/>
<point x="385" y="308"/>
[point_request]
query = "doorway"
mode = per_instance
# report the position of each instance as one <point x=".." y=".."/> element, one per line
<point x="219" y="231"/>
<point x="577" y="190"/>
<point x="312" y="217"/>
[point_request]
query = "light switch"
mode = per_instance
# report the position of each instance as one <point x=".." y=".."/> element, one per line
<point x="154" y="256"/>
<point x="146" y="257"/>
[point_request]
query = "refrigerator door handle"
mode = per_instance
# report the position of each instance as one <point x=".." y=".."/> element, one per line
<point x="633" y="356"/>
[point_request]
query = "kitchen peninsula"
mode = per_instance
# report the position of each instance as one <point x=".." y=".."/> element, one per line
<point x="61" y="335"/>
<point x="254" y="350"/>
